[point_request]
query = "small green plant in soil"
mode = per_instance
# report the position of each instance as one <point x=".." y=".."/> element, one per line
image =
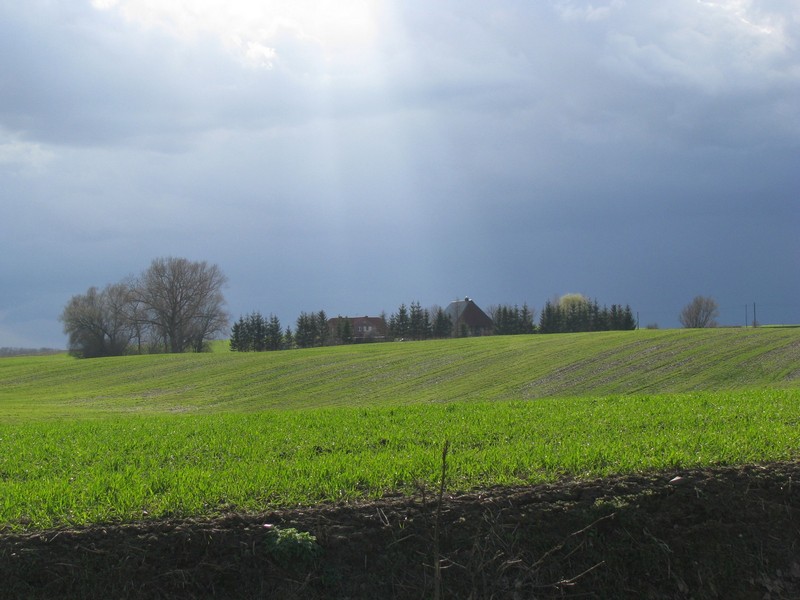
<point x="291" y="548"/>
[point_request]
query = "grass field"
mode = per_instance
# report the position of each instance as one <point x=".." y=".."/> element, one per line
<point x="476" y="369"/>
<point x="184" y="435"/>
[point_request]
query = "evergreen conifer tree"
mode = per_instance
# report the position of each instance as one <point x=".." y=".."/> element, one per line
<point x="288" y="338"/>
<point x="628" y="322"/>
<point x="347" y="331"/>
<point x="274" y="333"/>
<point x="419" y="322"/>
<point x="305" y="331"/>
<point x="399" y="323"/>
<point x="322" y="332"/>
<point x="442" y="324"/>
<point x="546" y="318"/>
<point x="526" y="320"/>
<point x="257" y="331"/>
<point x="235" y="336"/>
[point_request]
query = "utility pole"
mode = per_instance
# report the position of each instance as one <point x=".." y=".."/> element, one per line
<point x="746" y="314"/>
<point x="755" y="320"/>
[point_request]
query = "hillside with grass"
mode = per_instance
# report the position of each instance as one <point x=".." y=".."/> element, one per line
<point x="474" y="369"/>
<point x="547" y="466"/>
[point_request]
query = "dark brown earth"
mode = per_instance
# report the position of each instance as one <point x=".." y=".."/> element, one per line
<point x="721" y="533"/>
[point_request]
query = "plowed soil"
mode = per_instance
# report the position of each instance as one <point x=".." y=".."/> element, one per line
<point x="715" y="533"/>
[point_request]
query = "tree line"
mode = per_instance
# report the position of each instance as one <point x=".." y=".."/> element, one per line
<point x="512" y="320"/>
<point x="6" y="351"/>
<point x="256" y="333"/>
<point x="570" y="313"/>
<point x="175" y="305"/>
<point x="417" y="323"/>
<point x="574" y="313"/>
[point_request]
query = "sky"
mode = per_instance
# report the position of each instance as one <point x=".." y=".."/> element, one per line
<point x="353" y="155"/>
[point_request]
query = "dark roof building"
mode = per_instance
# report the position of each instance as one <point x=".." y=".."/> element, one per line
<point x="362" y="329"/>
<point x="469" y="319"/>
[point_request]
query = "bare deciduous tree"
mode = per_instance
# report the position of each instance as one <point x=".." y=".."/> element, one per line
<point x="182" y="302"/>
<point x="98" y="323"/>
<point x="700" y="312"/>
<point x="174" y="306"/>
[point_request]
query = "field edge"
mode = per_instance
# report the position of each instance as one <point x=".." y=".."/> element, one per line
<point x="702" y="533"/>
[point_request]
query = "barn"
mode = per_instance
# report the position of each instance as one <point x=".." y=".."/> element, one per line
<point x="468" y="318"/>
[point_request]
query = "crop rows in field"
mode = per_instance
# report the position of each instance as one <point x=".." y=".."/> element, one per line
<point x="494" y="368"/>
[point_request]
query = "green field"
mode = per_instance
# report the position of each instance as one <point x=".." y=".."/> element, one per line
<point x="123" y="439"/>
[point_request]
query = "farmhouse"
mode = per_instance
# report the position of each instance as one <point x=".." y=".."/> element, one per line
<point x="362" y="329"/>
<point x="468" y="318"/>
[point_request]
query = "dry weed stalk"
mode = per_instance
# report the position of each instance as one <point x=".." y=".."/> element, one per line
<point x="437" y="559"/>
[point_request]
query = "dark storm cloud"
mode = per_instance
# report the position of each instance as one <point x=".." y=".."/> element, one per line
<point x="635" y="153"/>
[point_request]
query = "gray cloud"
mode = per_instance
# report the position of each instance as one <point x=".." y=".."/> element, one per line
<point x="636" y="154"/>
